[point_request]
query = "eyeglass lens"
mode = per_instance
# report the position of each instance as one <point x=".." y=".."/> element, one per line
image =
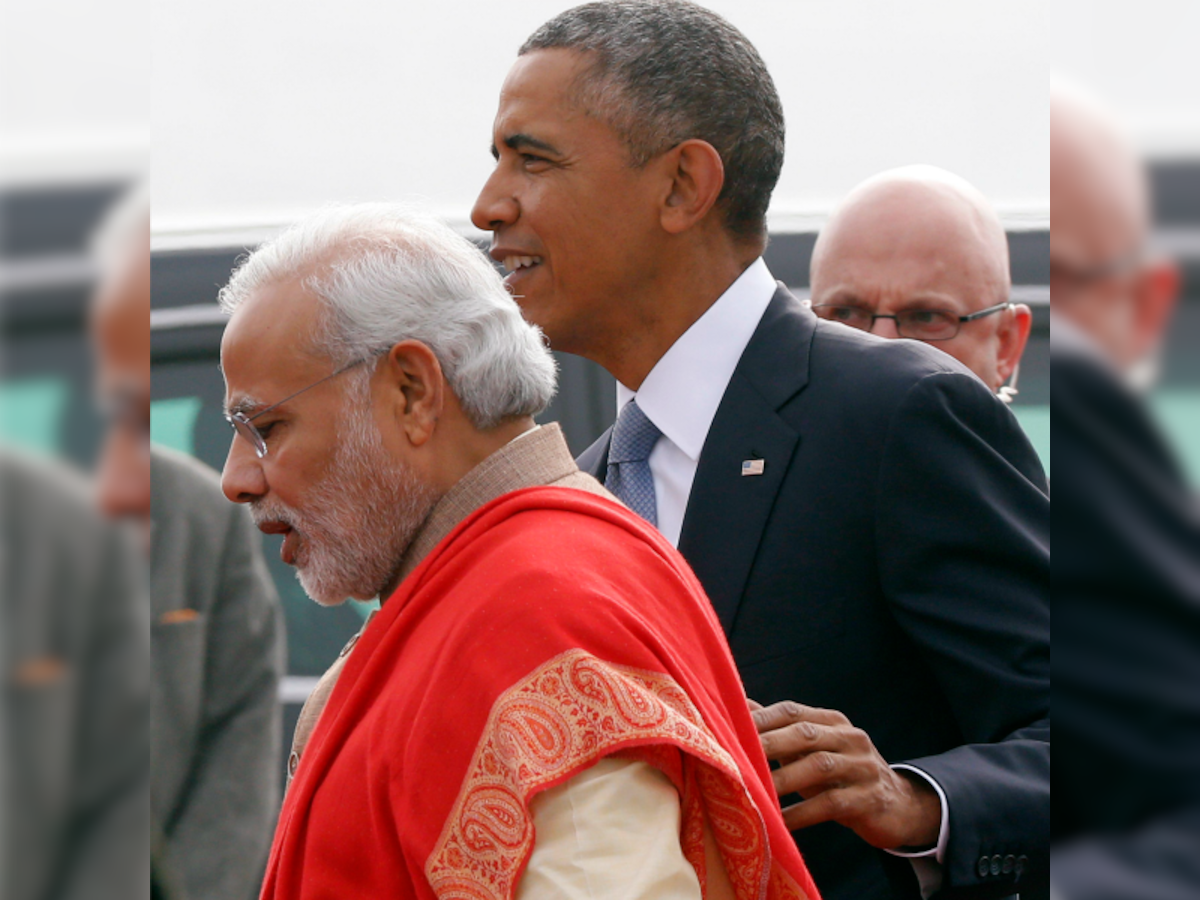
<point x="919" y="324"/>
<point x="247" y="430"/>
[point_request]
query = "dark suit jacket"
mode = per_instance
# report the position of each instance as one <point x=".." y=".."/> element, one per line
<point x="1127" y="664"/>
<point x="891" y="562"/>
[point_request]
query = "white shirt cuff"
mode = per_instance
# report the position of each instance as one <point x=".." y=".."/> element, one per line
<point x="927" y="864"/>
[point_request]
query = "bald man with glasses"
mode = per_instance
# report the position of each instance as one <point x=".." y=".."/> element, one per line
<point x="919" y="253"/>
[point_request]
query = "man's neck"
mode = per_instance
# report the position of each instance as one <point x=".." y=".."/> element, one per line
<point x="479" y="445"/>
<point x="471" y="449"/>
<point x="686" y="291"/>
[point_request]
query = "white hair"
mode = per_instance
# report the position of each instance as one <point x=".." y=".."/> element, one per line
<point x="386" y="273"/>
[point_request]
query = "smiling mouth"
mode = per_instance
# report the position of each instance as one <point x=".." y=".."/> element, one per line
<point x="518" y="263"/>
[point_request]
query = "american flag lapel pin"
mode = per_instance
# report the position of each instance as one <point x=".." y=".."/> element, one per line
<point x="753" y="466"/>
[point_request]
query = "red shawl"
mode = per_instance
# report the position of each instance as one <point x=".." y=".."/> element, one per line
<point x="550" y="629"/>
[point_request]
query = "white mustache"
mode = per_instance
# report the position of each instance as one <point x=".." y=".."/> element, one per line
<point x="263" y="511"/>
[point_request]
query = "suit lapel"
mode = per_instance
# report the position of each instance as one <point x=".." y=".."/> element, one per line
<point x="728" y="511"/>
<point x="594" y="460"/>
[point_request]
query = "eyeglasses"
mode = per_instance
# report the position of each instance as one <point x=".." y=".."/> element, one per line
<point x="918" y="324"/>
<point x="1068" y="279"/>
<point x="125" y="406"/>
<point x="244" y="426"/>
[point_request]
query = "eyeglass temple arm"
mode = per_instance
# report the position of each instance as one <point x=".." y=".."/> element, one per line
<point x="345" y="368"/>
<point x="986" y="312"/>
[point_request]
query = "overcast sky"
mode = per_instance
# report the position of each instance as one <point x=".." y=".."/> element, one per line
<point x="265" y="108"/>
<point x="262" y="109"/>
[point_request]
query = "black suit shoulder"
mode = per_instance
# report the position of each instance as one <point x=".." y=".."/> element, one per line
<point x="864" y="387"/>
<point x="881" y="374"/>
<point x="898" y="572"/>
<point x="890" y="560"/>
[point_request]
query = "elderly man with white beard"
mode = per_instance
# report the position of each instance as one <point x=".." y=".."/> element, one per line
<point x="544" y="706"/>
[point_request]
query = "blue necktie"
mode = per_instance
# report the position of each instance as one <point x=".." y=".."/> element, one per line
<point x="629" y="478"/>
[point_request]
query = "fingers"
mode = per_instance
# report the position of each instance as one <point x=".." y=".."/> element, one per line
<point x="806" y="737"/>
<point x="779" y="715"/>
<point x="823" y="771"/>
<point x="753" y="704"/>
<point x="842" y="777"/>
<point x="839" y="805"/>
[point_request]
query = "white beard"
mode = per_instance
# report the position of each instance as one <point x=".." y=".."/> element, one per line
<point x="357" y="522"/>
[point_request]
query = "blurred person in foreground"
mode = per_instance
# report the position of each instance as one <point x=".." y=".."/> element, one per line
<point x="217" y="632"/>
<point x="918" y="252"/>
<point x="1127" y="570"/>
<point x="867" y="518"/>
<point x="544" y="705"/>
<point x="74" y="755"/>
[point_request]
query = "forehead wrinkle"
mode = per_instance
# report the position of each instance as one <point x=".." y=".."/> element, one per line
<point x="842" y="293"/>
<point x="875" y="295"/>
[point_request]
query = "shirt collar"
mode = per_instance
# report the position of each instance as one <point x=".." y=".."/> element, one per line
<point x="683" y="390"/>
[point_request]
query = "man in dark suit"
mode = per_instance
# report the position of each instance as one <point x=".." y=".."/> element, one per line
<point x="1127" y="578"/>
<point x="867" y="518"/>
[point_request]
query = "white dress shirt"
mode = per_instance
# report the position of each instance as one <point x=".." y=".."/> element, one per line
<point x="683" y="390"/>
<point x="680" y="396"/>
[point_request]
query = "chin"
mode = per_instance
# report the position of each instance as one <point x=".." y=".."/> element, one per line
<point x="532" y="310"/>
<point x="326" y="603"/>
<point x="559" y="332"/>
<point x="323" y="592"/>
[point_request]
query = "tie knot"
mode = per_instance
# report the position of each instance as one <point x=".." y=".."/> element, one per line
<point x="633" y="437"/>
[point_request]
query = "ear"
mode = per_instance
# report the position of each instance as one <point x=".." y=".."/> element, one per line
<point x="697" y="176"/>
<point x="416" y="390"/>
<point x="1157" y="292"/>
<point x="1013" y="334"/>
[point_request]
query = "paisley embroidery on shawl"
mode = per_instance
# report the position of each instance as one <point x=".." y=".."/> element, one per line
<point x="568" y="713"/>
<point x="783" y="886"/>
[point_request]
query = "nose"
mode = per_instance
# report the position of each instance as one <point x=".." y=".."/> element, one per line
<point x="123" y="475"/>
<point x="496" y="206"/>
<point x="242" y="479"/>
<point x="885" y="328"/>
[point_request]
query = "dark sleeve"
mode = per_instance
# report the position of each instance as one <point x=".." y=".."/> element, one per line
<point x="224" y="830"/>
<point x="109" y="828"/>
<point x="963" y="537"/>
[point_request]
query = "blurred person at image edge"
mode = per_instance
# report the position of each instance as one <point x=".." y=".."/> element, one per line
<point x="74" y="751"/>
<point x="1127" y="573"/>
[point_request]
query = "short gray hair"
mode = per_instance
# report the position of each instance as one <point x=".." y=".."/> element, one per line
<point x="666" y="71"/>
<point x="387" y="273"/>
